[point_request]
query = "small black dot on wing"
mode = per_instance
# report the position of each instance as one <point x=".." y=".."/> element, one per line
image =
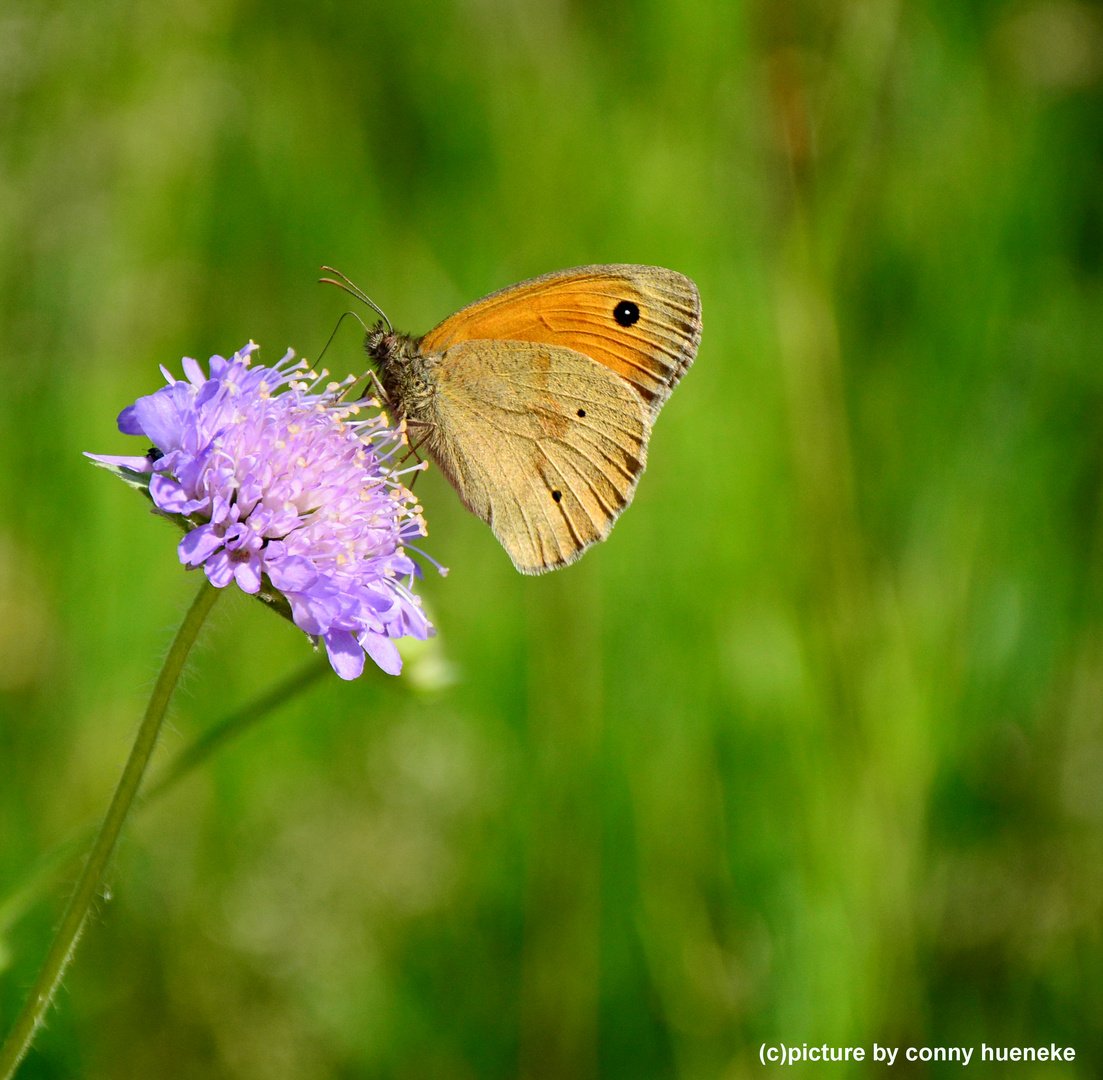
<point x="557" y="495"/>
<point x="626" y="313"/>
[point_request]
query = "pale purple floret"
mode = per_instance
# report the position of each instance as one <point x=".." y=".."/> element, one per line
<point x="286" y="483"/>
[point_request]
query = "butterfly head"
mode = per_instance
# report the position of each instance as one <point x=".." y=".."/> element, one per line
<point x="402" y="370"/>
<point x="381" y="343"/>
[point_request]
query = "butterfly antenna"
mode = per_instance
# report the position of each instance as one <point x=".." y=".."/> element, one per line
<point x="338" y="327"/>
<point x="356" y="291"/>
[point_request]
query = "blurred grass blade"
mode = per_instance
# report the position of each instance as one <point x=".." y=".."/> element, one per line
<point x="46" y="871"/>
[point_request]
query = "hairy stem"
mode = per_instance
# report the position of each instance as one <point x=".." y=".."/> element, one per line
<point x="22" y="1033"/>
<point x="59" y="859"/>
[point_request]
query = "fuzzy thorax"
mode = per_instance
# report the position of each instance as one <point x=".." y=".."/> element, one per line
<point x="406" y="375"/>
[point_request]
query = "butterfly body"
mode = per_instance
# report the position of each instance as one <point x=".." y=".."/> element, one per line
<point x="537" y="401"/>
<point x="408" y="378"/>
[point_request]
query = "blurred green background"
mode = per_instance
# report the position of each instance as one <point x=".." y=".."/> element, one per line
<point x="810" y="750"/>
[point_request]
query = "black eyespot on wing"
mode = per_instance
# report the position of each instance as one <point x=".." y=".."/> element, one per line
<point x="626" y="313"/>
<point x="581" y="412"/>
<point x="557" y="495"/>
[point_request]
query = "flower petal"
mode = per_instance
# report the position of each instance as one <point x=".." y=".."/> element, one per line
<point x="382" y="650"/>
<point x="199" y="545"/>
<point x="169" y="495"/>
<point x="192" y="371"/>
<point x="247" y="575"/>
<point x="128" y="422"/>
<point x="345" y="654"/>
<point x="291" y="574"/>
<point x="157" y="417"/>
<point x="220" y="569"/>
<point x="135" y="464"/>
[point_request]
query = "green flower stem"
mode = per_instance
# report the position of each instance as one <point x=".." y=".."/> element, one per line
<point x="59" y="858"/>
<point x="22" y="1033"/>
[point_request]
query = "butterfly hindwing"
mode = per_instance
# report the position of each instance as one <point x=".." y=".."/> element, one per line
<point x="541" y="442"/>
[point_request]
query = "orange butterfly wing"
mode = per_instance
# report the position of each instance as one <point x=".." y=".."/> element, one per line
<point x="643" y="322"/>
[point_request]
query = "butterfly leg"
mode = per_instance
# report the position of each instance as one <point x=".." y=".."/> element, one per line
<point x="415" y="446"/>
<point x="377" y="386"/>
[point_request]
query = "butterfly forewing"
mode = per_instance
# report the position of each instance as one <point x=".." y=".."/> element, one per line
<point x="641" y="322"/>
<point x="541" y="442"/>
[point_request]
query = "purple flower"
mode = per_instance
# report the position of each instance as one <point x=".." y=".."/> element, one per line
<point x="281" y="488"/>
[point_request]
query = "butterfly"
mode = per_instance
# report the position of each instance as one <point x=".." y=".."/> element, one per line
<point x="537" y="401"/>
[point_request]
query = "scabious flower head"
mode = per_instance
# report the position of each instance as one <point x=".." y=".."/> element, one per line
<point x="282" y="488"/>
